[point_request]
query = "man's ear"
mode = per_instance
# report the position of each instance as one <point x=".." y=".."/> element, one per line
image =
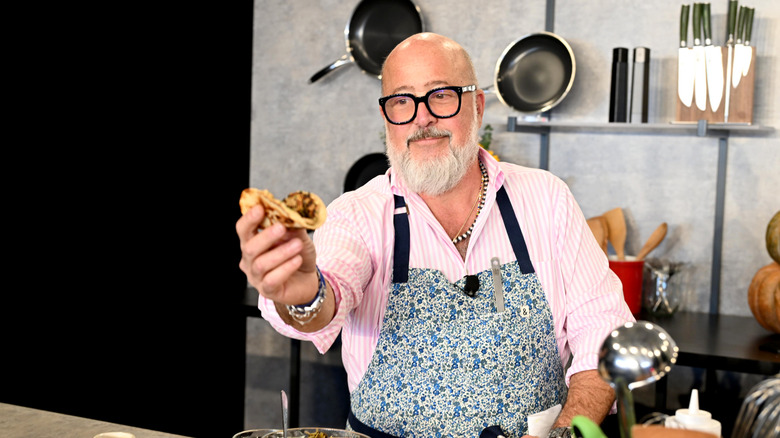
<point x="480" y="104"/>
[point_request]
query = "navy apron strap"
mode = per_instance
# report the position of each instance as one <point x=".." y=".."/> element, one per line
<point x="514" y="231"/>
<point x="401" y="245"/>
<point x="358" y="426"/>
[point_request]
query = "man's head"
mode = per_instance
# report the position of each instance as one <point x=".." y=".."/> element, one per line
<point x="431" y="154"/>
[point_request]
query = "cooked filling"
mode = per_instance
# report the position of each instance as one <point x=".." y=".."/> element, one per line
<point x="303" y="203"/>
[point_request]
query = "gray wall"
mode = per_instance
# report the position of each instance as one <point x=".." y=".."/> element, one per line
<point x="306" y="136"/>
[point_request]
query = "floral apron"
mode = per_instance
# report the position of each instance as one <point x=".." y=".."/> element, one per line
<point x="449" y="365"/>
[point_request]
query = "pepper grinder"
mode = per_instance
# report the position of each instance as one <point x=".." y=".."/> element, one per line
<point x="640" y="79"/>
<point x="618" y="93"/>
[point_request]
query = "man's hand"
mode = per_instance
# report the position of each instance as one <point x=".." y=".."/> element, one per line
<point x="279" y="262"/>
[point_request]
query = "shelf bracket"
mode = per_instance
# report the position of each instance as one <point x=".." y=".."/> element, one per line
<point x="717" y="238"/>
<point x="544" y="139"/>
<point x="701" y="128"/>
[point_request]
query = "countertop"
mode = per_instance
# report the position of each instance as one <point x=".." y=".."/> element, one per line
<point x="22" y="422"/>
<point x="731" y="343"/>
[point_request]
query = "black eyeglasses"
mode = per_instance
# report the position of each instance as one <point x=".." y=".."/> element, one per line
<point x="441" y="102"/>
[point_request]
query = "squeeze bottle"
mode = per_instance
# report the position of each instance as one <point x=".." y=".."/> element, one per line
<point x="693" y="418"/>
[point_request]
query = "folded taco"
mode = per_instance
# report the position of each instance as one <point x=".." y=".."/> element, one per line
<point x="298" y="210"/>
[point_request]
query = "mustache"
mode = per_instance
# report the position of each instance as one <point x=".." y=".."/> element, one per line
<point x="430" y="132"/>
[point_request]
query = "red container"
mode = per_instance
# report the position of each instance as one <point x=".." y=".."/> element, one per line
<point x="630" y="271"/>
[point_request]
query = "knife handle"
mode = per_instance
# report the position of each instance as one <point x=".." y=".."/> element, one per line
<point x="740" y="24"/>
<point x="697" y="24"/>
<point x="684" y="13"/>
<point x="706" y="23"/>
<point x="748" y="25"/>
<point x="732" y="21"/>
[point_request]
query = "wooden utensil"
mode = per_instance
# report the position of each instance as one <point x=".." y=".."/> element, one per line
<point x="598" y="226"/>
<point x="654" y="240"/>
<point x="616" y="224"/>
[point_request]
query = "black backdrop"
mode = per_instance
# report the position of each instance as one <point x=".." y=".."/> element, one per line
<point x="121" y="296"/>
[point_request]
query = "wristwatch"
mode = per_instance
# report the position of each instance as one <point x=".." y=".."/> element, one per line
<point x="560" y="432"/>
<point x="305" y="313"/>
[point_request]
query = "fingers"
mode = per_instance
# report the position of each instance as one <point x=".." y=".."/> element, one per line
<point x="247" y="225"/>
<point x="274" y="281"/>
<point x="278" y="262"/>
<point x="255" y="244"/>
<point x="270" y="258"/>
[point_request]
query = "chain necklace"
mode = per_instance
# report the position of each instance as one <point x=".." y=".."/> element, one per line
<point x="479" y="204"/>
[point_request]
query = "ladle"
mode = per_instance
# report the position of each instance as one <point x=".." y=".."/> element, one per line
<point x="654" y="240"/>
<point x="634" y="355"/>
<point x="284" y="414"/>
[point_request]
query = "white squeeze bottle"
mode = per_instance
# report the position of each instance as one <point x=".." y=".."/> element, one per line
<point x="693" y="418"/>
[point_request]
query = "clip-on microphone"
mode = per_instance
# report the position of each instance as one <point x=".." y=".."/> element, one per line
<point x="471" y="286"/>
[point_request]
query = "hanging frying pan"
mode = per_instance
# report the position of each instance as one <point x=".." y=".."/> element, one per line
<point x="364" y="169"/>
<point x="373" y="31"/>
<point x="535" y="72"/>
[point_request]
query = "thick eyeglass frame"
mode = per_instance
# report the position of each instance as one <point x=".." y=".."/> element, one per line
<point x="424" y="99"/>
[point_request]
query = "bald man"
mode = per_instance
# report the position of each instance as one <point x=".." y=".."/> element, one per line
<point x="470" y="294"/>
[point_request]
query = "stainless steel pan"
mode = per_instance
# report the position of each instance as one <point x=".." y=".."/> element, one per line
<point x="535" y="72"/>
<point x="373" y="31"/>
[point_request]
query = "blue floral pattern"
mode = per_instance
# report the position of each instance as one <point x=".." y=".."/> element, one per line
<point x="448" y="365"/>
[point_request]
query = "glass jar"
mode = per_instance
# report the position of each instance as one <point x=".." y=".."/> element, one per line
<point x="666" y="286"/>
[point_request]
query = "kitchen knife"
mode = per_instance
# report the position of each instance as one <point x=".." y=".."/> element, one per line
<point x="748" y="52"/>
<point x="714" y="57"/>
<point x="739" y="49"/>
<point x="700" y="78"/>
<point x="730" y="25"/>
<point x="686" y="63"/>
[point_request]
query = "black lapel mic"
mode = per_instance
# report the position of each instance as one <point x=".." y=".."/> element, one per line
<point x="472" y="285"/>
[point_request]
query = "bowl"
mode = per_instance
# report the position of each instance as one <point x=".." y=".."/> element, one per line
<point x="254" y="433"/>
<point x="305" y="431"/>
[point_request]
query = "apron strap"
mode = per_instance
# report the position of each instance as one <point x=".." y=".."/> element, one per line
<point x="514" y="231"/>
<point x="401" y="245"/>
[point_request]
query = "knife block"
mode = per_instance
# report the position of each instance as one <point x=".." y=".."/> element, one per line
<point x="693" y="114"/>
<point x="740" y="100"/>
<point x="686" y="113"/>
<point x="741" y="104"/>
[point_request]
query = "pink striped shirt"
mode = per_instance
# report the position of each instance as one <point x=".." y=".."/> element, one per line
<point x="355" y="254"/>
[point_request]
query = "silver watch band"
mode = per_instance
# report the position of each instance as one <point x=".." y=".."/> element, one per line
<point x="560" y="432"/>
<point x="305" y="313"/>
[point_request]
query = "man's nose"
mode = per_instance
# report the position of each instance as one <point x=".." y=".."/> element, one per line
<point x="424" y="117"/>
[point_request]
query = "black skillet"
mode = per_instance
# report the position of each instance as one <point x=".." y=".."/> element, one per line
<point x="373" y="31"/>
<point x="535" y="72"/>
<point x="364" y="169"/>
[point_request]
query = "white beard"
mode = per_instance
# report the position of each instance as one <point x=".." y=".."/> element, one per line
<point x="437" y="175"/>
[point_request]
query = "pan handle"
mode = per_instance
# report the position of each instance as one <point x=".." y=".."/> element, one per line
<point x="340" y="62"/>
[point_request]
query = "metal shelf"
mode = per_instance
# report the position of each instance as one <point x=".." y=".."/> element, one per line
<point x="721" y="131"/>
<point x="701" y="129"/>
